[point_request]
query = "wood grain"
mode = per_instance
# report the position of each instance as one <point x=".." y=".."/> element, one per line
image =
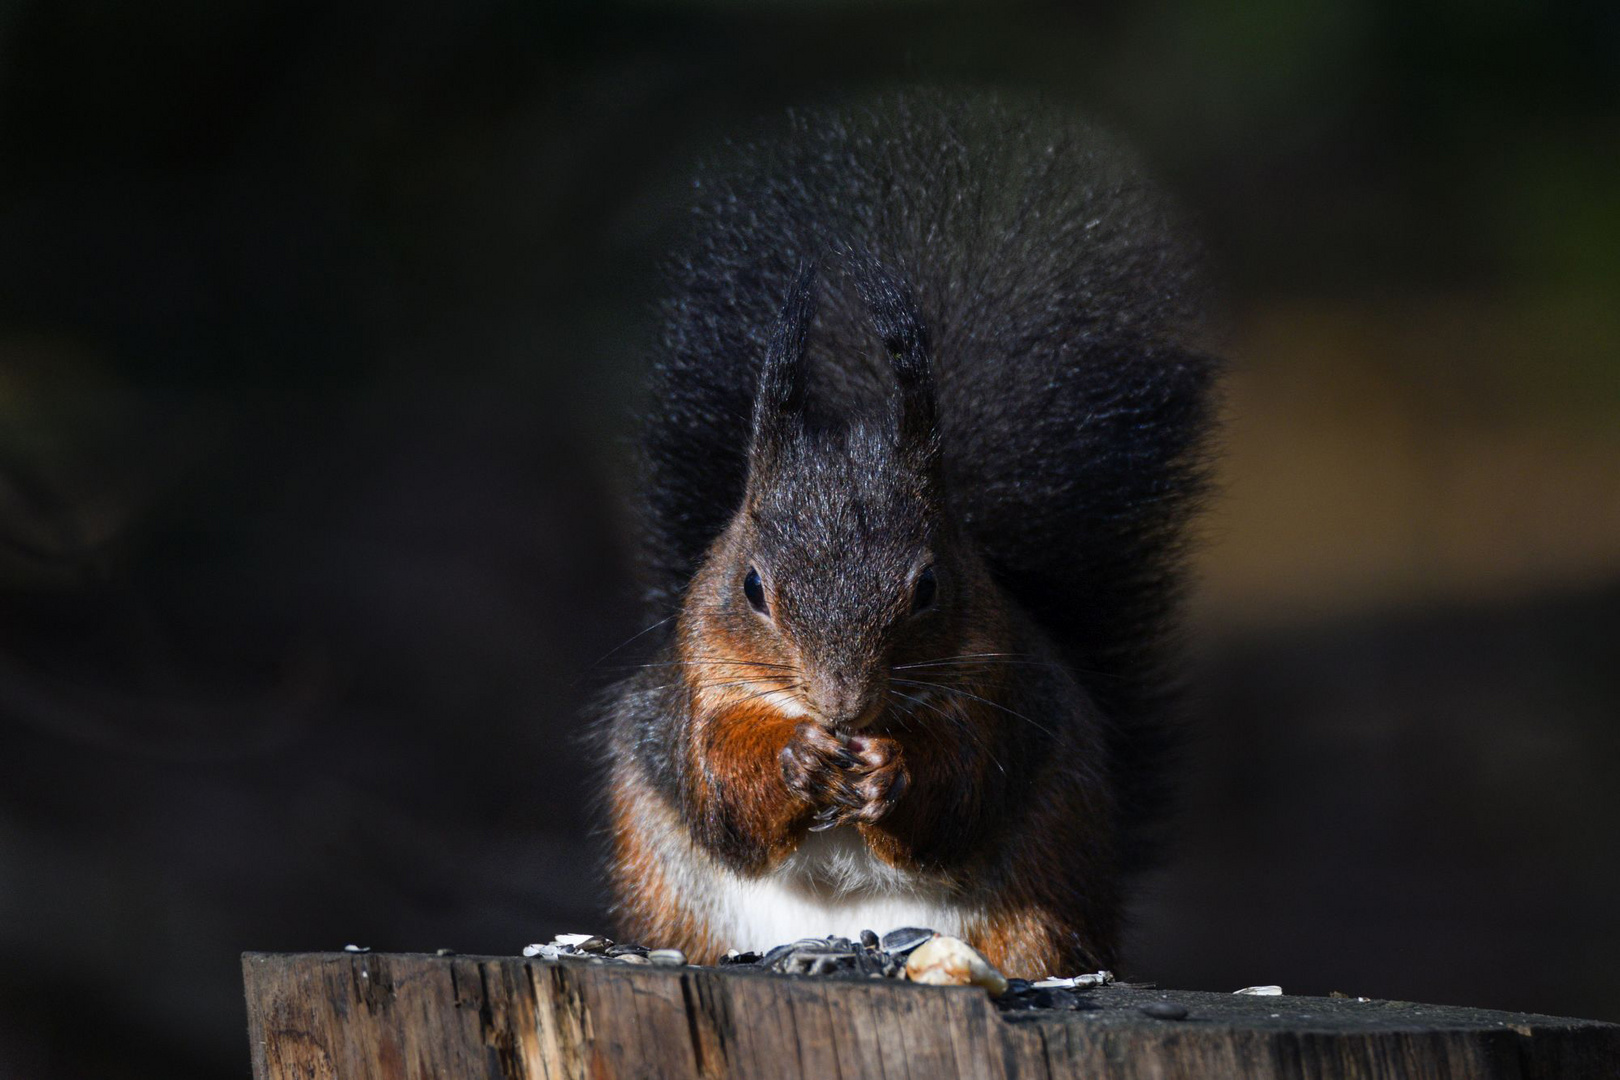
<point x="319" y="1016"/>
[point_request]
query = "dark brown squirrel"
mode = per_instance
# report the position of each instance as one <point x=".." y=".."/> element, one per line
<point x="923" y="439"/>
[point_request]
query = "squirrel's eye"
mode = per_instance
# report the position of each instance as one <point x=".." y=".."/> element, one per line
<point x="922" y="596"/>
<point x="754" y="589"/>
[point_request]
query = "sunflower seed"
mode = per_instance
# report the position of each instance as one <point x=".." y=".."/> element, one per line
<point x="905" y="939"/>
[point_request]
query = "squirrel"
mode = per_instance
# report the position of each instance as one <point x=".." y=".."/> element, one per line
<point x="924" y="439"/>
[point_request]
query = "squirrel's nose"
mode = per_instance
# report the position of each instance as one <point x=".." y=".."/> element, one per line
<point x="849" y="705"/>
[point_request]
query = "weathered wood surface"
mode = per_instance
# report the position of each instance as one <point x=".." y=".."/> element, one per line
<point x="393" y="1017"/>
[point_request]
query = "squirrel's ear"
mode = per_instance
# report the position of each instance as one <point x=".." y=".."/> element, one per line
<point x="905" y="338"/>
<point x="779" y="402"/>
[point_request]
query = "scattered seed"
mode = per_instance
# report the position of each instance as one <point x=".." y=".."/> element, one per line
<point x="1077" y="982"/>
<point x="772" y="958"/>
<point x="905" y="939"/>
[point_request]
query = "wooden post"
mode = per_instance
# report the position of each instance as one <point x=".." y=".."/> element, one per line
<point x="403" y="1017"/>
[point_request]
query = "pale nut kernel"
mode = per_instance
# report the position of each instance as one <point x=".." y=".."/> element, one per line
<point x="948" y="961"/>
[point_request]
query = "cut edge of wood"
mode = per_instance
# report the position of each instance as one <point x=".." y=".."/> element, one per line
<point x="343" y="1014"/>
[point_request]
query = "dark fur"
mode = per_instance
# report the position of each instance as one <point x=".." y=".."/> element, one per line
<point x="1072" y="415"/>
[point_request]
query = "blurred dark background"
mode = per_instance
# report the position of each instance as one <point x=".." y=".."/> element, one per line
<point x="317" y="328"/>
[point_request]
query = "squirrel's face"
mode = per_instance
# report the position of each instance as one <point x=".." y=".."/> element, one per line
<point x="840" y="565"/>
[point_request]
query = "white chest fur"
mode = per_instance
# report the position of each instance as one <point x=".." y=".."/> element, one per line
<point x="831" y="885"/>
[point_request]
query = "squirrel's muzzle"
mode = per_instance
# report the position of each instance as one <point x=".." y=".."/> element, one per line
<point x="848" y="704"/>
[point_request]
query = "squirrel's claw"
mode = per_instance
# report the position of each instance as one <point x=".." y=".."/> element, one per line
<point x="826" y="819"/>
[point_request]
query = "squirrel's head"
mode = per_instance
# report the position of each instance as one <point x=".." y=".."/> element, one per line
<point x="842" y="562"/>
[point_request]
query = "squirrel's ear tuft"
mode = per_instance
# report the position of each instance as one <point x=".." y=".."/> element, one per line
<point x="905" y="339"/>
<point x="779" y="401"/>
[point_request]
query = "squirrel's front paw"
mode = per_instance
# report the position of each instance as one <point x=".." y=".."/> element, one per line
<point x="848" y="779"/>
<point x="815" y="763"/>
<point x="879" y="778"/>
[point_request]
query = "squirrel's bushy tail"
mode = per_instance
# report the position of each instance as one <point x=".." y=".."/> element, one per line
<point x="1074" y="415"/>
